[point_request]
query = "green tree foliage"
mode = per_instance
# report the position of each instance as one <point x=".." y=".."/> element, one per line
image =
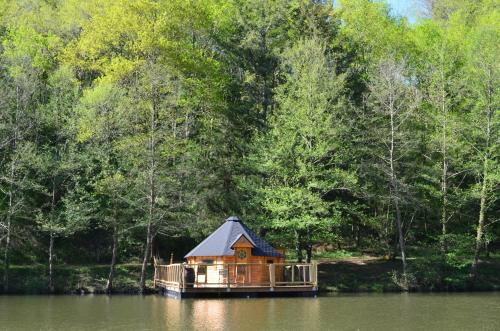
<point x="100" y="130"/>
<point x="125" y="125"/>
<point x="482" y="128"/>
<point x="304" y="156"/>
<point x="440" y="73"/>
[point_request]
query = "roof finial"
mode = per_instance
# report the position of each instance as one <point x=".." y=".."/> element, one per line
<point x="232" y="219"/>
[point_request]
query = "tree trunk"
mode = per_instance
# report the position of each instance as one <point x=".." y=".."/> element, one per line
<point x="10" y="210"/>
<point x="6" y="258"/>
<point x="6" y="251"/>
<point x="308" y="246"/>
<point x="444" y="175"/>
<point x="152" y="195"/>
<point x="486" y="244"/>
<point x="484" y="187"/>
<point x="401" y="240"/>
<point x="358" y="235"/>
<point x="51" y="258"/>
<point x="109" y="284"/>
<point x="444" y="192"/>
<point x="395" y="196"/>
<point x="142" y="282"/>
<point x="51" y="237"/>
<point x="308" y="253"/>
<point x="482" y="212"/>
<point x="444" y="214"/>
<point x="425" y="222"/>
<point x="114" y="250"/>
<point x="298" y="249"/>
<point x="388" y="233"/>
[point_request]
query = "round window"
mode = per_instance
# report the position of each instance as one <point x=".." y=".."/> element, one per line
<point x="242" y="254"/>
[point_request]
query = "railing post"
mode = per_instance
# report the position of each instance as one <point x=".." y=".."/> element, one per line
<point x="155" y="274"/>
<point x="195" y="275"/>
<point x="293" y="273"/>
<point x="314" y="270"/>
<point x="183" y="277"/>
<point x="272" y="275"/>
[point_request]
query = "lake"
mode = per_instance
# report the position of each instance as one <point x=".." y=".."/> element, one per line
<point x="456" y="311"/>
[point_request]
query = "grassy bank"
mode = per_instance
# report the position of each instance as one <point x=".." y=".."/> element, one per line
<point x="341" y="273"/>
<point x="372" y="274"/>
<point x="71" y="279"/>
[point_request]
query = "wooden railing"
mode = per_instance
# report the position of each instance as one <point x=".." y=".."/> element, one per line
<point x="236" y="275"/>
<point x="170" y="275"/>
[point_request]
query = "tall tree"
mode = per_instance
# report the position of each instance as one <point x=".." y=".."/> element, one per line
<point x="303" y="157"/>
<point x="394" y="101"/>
<point x="55" y="168"/>
<point x="24" y="65"/>
<point x="439" y="81"/>
<point x="482" y="131"/>
<point x="101" y="125"/>
<point x="142" y="67"/>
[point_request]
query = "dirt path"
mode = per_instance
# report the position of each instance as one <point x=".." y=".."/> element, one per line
<point x="358" y="260"/>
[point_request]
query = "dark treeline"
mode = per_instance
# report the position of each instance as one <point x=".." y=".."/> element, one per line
<point x="132" y="127"/>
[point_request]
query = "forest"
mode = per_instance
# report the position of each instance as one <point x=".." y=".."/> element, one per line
<point x="133" y="128"/>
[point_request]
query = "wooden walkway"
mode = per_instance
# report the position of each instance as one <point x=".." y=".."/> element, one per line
<point x="237" y="279"/>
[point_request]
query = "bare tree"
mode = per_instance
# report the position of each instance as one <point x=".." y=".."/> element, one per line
<point x="394" y="100"/>
<point x="16" y="148"/>
<point x="484" y="122"/>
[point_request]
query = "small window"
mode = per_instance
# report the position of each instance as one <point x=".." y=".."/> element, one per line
<point x="242" y="270"/>
<point x="270" y="261"/>
<point x="208" y="261"/>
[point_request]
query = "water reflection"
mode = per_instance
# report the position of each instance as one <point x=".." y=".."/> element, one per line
<point x="208" y="314"/>
<point x="464" y="311"/>
<point x="169" y="311"/>
<point x="245" y="314"/>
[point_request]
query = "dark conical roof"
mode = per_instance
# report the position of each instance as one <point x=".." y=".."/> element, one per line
<point x="219" y="243"/>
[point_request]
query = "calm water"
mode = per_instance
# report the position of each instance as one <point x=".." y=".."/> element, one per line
<point x="462" y="311"/>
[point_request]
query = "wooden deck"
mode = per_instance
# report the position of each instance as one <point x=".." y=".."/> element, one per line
<point x="237" y="279"/>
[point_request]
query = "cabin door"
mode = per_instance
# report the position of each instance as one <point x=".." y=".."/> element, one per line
<point x="242" y="269"/>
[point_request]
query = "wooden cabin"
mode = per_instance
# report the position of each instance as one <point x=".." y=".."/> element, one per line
<point x="233" y="259"/>
<point x="233" y="243"/>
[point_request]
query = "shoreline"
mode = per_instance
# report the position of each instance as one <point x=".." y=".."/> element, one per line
<point x="321" y="293"/>
<point x="351" y="275"/>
